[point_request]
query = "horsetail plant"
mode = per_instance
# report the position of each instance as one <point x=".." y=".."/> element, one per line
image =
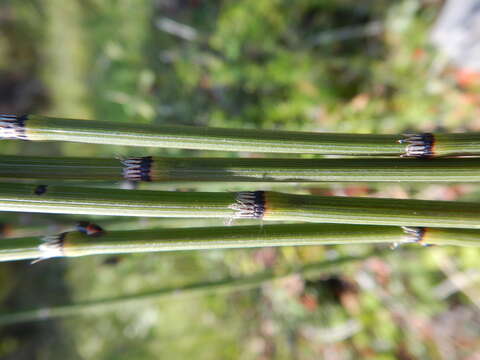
<point x="93" y="240"/>
<point x="40" y="128"/>
<point x="162" y="169"/>
<point x="261" y="205"/>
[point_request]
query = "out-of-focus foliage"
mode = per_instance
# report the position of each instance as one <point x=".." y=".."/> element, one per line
<point x="329" y="65"/>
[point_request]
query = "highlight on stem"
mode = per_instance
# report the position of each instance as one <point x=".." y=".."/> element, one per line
<point x="81" y="243"/>
<point x="40" y="128"/>
<point x="163" y="169"/>
<point x="261" y="205"/>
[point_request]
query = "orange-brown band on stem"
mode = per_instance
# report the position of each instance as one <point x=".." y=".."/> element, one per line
<point x="415" y="234"/>
<point x="425" y="235"/>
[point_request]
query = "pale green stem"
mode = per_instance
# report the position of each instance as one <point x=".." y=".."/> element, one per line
<point x="266" y="205"/>
<point x="40" y="128"/>
<point x="163" y="169"/>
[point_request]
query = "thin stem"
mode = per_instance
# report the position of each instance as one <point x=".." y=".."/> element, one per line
<point x="163" y="169"/>
<point x="79" y="243"/>
<point x="454" y="237"/>
<point x="39" y="128"/>
<point x="460" y="237"/>
<point x="76" y="243"/>
<point x="60" y="168"/>
<point x="266" y="205"/>
<point x="22" y="225"/>
<point x="116" y="202"/>
<point x="195" y="289"/>
<point x="20" y="248"/>
<point x="457" y="144"/>
<point x="373" y="211"/>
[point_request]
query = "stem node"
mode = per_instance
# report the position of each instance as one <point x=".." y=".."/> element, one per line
<point x="13" y="127"/>
<point x="249" y="205"/>
<point x="418" y="145"/>
<point x="138" y="168"/>
<point x="52" y="246"/>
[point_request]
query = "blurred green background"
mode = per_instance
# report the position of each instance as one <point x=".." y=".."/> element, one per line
<point x="320" y="65"/>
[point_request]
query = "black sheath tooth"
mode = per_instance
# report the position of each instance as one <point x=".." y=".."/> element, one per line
<point x="52" y="246"/>
<point x="249" y="205"/>
<point x="138" y="169"/>
<point x="40" y="189"/>
<point x="415" y="234"/>
<point x="13" y="127"/>
<point x="419" y="145"/>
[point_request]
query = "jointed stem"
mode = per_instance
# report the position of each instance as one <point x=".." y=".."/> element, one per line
<point x="39" y="128"/>
<point x="76" y="243"/>
<point x="266" y="205"/>
<point x="241" y="170"/>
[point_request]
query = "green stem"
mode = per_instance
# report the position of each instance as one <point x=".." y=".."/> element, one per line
<point x="310" y="270"/>
<point x="60" y="168"/>
<point x="266" y="205"/>
<point x="24" y="225"/>
<point x="206" y="238"/>
<point x="76" y="243"/>
<point x="39" y="128"/>
<point x="454" y="237"/>
<point x="20" y="249"/>
<point x="241" y="170"/>
<point x="98" y="201"/>
<point x="457" y="144"/>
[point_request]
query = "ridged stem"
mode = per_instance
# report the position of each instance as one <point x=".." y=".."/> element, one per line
<point x="99" y="201"/>
<point x="373" y="211"/>
<point x="79" y="243"/>
<point x="457" y="144"/>
<point x="241" y="170"/>
<point x="25" y="248"/>
<point x="40" y="128"/>
<point x="459" y="237"/>
<point x="266" y="205"/>
<point x="454" y="237"/>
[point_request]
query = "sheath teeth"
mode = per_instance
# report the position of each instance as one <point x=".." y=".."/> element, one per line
<point x="12" y="127"/>
<point x="418" y="145"/>
<point x="249" y="205"/>
<point x="138" y="168"/>
<point x="414" y="234"/>
<point x="52" y="246"/>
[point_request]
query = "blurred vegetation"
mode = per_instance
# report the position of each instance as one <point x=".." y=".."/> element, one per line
<point x="320" y="65"/>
